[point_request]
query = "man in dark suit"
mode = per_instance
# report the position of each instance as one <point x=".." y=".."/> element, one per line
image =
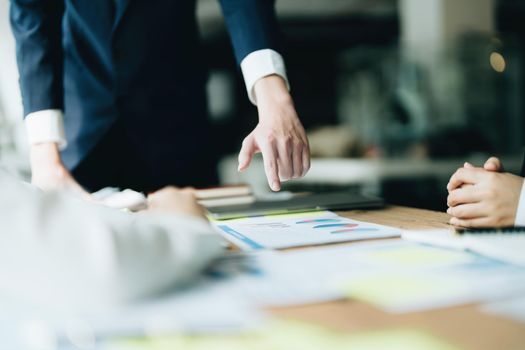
<point x="486" y="196"/>
<point x="125" y="80"/>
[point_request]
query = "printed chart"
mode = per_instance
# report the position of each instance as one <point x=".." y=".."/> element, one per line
<point x="285" y="231"/>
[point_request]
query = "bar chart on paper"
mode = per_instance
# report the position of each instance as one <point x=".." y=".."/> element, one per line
<point x="294" y="230"/>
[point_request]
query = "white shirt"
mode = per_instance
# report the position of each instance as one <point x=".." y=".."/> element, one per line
<point x="57" y="250"/>
<point x="48" y="125"/>
<point x="520" y="212"/>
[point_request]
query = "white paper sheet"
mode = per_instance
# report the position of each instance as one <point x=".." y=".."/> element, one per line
<point x="285" y="231"/>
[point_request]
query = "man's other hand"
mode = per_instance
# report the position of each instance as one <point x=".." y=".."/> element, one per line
<point x="49" y="173"/>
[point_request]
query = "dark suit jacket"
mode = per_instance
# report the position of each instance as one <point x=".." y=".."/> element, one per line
<point x="522" y="173"/>
<point x="140" y="60"/>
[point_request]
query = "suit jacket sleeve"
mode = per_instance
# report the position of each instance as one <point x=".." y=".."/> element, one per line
<point x="252" y="25"/>
<point x="37" y="27"/>
<point x="68" y="251"/>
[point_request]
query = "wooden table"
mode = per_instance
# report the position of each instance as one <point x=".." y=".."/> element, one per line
<point x="465" y="326"/>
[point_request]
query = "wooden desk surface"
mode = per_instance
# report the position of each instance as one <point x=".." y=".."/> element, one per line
<point x="465" y="327"/>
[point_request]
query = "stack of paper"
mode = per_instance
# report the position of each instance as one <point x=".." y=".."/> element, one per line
<point x="224" y="196"/>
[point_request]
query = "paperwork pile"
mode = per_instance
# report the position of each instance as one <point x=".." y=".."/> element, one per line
<point x="395" y="276"/>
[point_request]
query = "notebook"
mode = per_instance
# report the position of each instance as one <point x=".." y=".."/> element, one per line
<point x="507" y="246"/>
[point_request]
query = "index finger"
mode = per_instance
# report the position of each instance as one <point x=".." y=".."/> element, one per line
<point x="270" y="166"/>
<point x="463" y="176"/>
<point x="493" y="164"/>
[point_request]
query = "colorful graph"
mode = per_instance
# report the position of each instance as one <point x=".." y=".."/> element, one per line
<point x="346" y="228"/>
<point x="269" y="225"/>
<point x="317" y="220"/>
<point x="347" y="225"/>
<point x="354" y="230"/>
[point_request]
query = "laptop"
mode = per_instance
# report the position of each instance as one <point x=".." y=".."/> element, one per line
<point x="299" y="204"/>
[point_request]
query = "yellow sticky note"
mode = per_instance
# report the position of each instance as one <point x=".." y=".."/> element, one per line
<point x="291" y="335"/>
<point x="413" y="256"/>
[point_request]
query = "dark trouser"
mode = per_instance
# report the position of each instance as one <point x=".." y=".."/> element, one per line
<point x="147" y="163"/>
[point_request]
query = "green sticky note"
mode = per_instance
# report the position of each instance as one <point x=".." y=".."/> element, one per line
<point x="291" y="335"/>
<point x="280" y="215"/>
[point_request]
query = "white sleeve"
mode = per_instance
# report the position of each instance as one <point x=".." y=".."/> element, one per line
<point x="260" y="64"/>
<point x="46" y="126"/>
<point x="73" y="252"/>
<point x="520" y="213"/>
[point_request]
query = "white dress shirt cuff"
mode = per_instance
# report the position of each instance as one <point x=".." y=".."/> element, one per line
<point x="520" y="213"/>
<point x="260" y="64"/>
<point x="46" y="126"/>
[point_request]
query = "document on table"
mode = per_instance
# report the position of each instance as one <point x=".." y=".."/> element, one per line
<point x="270" y="278"/>
<point x="406" y="277"/>
<point x="294" y="230"/>
<point x="181" y="312"/>
<point x="227" y="298"/>
<point x="395" y="276"/>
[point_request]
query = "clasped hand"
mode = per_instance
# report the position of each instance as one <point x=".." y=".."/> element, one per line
<point x="483" y="196"/>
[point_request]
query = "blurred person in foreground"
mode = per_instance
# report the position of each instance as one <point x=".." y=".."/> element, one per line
<point x="56" y="249"/>
<point x="486" y="196"/>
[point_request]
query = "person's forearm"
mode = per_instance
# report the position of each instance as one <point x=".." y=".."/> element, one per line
<point x="272" y="89"/>
<point x="45" y="153"/>
<point x="91" y="254"/>
<point x="48" y="171"/>
<point x="154" y="251"/>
